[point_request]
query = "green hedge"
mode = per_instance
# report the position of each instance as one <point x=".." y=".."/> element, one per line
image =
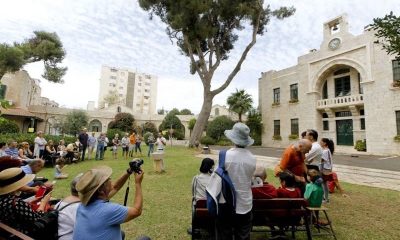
<point x="8" y="126"/>
<point x="30" y="137"/>
<point x="361" y="145"/>
<point x="206" y="140"/>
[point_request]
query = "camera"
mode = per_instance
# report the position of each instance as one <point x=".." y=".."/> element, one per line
<point x="135" y="165"/>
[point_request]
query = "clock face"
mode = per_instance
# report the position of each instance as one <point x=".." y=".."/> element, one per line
<point x="334" y="43"/>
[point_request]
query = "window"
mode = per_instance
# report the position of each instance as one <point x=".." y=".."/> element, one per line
<point x="277" y="127"/>
<point x="398" y="122"/>
<point x="114" y="70"/>
<point x="113" y="77"/>
<point x="216" y="112"/>
<point x="325" y="125"/>
<point x="362" y="113"/>
<point x="343" y="114"/>
<point x="342" y="86"/>
<point x="294" y="126"/>
<point x="146" y="90"/>
<point x="362" y="123"/>
<point x="294" y="92"/>
<point x="3" y="89"/>
<point x="325" y="115"/>
<point x="396" y="70"/>
<point x="360" y="88"/>
<point x="119" y="109"/>
<point x="277" y="95"/>
<point x="325" y="90"/>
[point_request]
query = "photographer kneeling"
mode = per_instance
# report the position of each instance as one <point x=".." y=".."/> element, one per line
<point x="96" y="217"/>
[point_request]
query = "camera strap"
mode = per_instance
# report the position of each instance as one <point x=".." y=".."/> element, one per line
<point x="127" y="191"/>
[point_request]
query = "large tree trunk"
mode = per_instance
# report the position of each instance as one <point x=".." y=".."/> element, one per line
<point x="202" y="119"/>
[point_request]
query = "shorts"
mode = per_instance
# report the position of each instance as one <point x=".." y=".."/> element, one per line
<point x="125" y="148"/>
<point x="114" y="148"/>
<point x="131" y="147"/>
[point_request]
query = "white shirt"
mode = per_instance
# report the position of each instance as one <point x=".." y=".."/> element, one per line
<point x="327" y="159"/>
<point x="199" y="184"/>
<point x="160" y="143"/>
<point x="66" y="220"/>
<point x="314" y="156"/>
<point x="241" y="164"/>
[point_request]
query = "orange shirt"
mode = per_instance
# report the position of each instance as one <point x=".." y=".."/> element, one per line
<point x="293" y="161"/>
<point x="132" y="139"/>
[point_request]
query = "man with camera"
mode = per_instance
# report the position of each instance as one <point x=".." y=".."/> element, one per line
<point x="96" y="217"/>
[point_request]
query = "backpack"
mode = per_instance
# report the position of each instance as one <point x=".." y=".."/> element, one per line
<point x="46" y="227"/>
<point x="225" y="196"/>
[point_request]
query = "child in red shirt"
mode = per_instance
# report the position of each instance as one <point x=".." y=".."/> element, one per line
<point x="288" y="189"/>
<point x="260" y="187"/>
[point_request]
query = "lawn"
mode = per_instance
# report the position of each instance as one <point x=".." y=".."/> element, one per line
<point x="369" y="213"/>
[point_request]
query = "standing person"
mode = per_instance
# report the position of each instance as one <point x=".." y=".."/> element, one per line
<point x="150" y="142"/>
<point x="125" y="146"/>
<point x="101" y="141"/>
<point x="138" y="143"/>
<point x="115" y="143"/>
<point x="96" y="217"/>
<point x="40" y="144"/>
<point x="161" y="142"/>
<point x="132" y="143"/>
<point x="91" y="145"/>
<point x="83" y="139"/>
<point x="313" y="158"/>
<point x="328" y="147"/>
<point x="293" y="161"/>
<point x="240" y="164"/>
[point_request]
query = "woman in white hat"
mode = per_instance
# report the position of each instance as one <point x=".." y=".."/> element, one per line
<point x="13" y="210"/>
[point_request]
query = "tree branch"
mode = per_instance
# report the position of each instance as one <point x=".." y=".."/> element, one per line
<point x="191" y="55"/>
<point x="201" y="57"/>
<point x="242" y="58"/>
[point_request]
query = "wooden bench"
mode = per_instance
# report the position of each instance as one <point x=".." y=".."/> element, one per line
<point x="286" y="213"/>
<point x="7" y="232"/>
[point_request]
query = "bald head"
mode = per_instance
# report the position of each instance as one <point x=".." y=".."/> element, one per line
<point x="303" y="146"/>
<point x="261" y="173"/>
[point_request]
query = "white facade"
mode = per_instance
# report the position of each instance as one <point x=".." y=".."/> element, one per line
<point x="344" y="90"/>
<point x="137" y="91"/>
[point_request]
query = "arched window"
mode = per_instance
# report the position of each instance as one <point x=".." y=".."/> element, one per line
<point x="95" y="126"/>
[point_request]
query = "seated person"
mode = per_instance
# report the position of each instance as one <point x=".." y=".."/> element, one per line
<point x="67" y="214"/>
<point x="260" y="187"/>
<point x="3" y="147"/>
<point x="14" y="211"/>
<point x="12" y="150"/>
<point x="288" y="189"/>
<point x="33" y="167"/>
<point x="72" y="152"/>
<point x="24" y="152"/>
<point x="49" y="151"/>
<point x="61" y="146"/>
<point x="201" y="180"/>
<point x="314" y="192"/>
<point x="60" y="163"/>
<point x="334" y="184"/>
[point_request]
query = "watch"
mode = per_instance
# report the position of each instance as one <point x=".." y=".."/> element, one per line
<point x="334" y="44"/>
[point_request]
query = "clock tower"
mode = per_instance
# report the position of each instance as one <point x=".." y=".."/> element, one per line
<point x="336" y="31"/>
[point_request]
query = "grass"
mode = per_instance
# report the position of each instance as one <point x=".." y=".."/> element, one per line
<point x="369" y="213"/>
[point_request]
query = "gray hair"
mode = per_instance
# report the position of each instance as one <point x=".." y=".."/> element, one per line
<point x="260" y="172"/>
<point x="36" y="162"/>
<point x="74" y="192"/>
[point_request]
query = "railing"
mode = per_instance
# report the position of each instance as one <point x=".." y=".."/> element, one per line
<point x="341" y="101"/>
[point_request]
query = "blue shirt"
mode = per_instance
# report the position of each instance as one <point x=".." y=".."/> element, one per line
<point x="13" y="152"/>
<point x="99" y="220"/>
<point x="27" y="170"/>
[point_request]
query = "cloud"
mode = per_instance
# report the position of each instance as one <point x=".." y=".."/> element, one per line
<point x="119" y="33"/>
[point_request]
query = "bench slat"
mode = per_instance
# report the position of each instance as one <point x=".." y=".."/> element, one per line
<point x="14" y="232"/>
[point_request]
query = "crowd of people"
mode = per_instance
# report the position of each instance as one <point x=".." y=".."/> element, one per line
<point x="304" y="171"/>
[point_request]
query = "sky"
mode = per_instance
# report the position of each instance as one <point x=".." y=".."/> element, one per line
<point x="119" y="33"/>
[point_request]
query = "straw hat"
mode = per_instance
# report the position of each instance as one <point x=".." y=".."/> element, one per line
<point x="12" y="179"/>
<point x="240" y="135"/>
<point x="91" y="181"/>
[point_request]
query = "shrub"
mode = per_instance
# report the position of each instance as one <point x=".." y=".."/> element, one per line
<point x="293" y="137"/>
<point x="123" y="121"/>
<point x="257" y="139"/>
<point x="217" y="127"/>
<point x="206" y="140"/>
<point x="171" y="120"/>
<point x="150" y="127"/>
<point x="361" y="145"/>
<point x="277" y="137"/>
<point x="396" y="138"/>
<point x="8" y="126"/>
<point x="30" y="137"/>
<point x="224" y="142"/>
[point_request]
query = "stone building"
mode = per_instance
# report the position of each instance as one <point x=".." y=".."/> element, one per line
<point x="347" y="90"/>
<point x="124" y="87"/>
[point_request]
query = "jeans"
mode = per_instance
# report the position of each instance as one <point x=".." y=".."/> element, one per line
<point x="100" y="152"/>
<point x="83" y="152"/>
<point x="326" y="190"/>
<point x="151" y="149"/>
<point x="137" y="146"/>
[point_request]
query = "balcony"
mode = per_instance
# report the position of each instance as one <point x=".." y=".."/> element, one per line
<point x="351" y="100"/>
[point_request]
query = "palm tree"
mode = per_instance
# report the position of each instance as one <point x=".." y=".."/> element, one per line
<point x="239" y="102"/>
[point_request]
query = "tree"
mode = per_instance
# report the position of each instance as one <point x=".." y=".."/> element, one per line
<point x="75" y="121"/>
<point x="161" y="111"/>
<point x="387" y="30"/>
<point x="171" y="121"/>
<point x="150" y="127"/>
<point x="254" y="122"/>
<point x="217" y="127"/>
<point x="8" y="126"/>
<point x="239" y="102"/>
<point x="206" y="31"/>
<point x="112" y="98"/>
<point x="191" y="124"/>
<point x="43" y="46"/>
<point x="185" y="111"/>
<point x="123" y="121"/>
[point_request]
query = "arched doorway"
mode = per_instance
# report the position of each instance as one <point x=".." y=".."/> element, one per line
<point x="95" y="126"/>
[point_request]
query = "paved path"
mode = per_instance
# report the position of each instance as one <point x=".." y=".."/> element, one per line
<point x="352" y="174"/>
